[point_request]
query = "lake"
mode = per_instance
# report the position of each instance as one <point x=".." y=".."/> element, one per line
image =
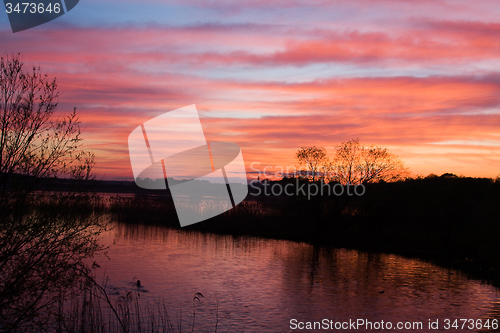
<point x="261" y="285"/>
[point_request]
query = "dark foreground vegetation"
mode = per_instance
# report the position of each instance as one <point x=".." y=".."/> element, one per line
<point x="452" y="221"/>
<point x="48" y="282"/>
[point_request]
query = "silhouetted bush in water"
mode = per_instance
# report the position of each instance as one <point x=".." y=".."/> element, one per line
<point x="43" y="257"/>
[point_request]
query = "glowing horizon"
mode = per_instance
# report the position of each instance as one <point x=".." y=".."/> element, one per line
<point x="421" y="79"/>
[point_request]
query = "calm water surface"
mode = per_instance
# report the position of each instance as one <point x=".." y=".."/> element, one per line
<point x="259" y="285"/>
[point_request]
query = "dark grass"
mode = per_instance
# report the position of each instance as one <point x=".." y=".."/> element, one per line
<point x="93" y="310"/>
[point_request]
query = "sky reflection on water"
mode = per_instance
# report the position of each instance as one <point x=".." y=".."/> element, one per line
<point x="262" y="284"/>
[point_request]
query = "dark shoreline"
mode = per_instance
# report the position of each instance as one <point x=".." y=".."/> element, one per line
<point x="449" y="221"/>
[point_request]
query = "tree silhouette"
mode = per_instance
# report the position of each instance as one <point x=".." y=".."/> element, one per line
<point x="313" y="159"/>
<point x="355" y="163"/>
<point x="42" y="251"/>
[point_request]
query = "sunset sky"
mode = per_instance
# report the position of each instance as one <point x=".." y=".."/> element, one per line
<point x="419" y="77"/>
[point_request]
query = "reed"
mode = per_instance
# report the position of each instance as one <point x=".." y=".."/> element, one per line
<point x="95" y="311"/>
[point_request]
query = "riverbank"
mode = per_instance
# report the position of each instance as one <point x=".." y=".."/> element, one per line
<point x="447" y="220"/>
<point x="450" y="221"/>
